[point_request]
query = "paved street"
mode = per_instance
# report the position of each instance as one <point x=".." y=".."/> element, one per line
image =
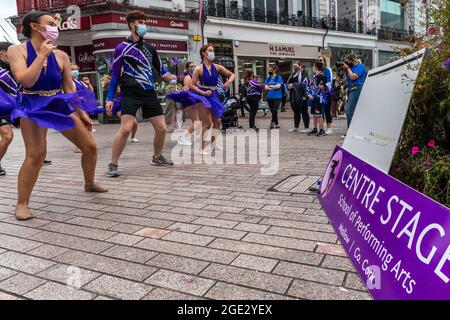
<point x="187" y="232"/>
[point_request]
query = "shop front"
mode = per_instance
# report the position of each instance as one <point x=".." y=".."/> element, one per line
<point x="257" y="57"/>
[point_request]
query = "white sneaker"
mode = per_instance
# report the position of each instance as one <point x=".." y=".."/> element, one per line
<point x="329" y="132"/>
<point x="94" y="130"/>
<point x="293" y="130"/>
<point x="134" y="140"/>
<point x="304" y="131"/>
<point x="344" y="136"/>
<point x="183" y="141"/>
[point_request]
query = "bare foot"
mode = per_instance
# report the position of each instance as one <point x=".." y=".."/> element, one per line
<point x="94" y="188"/>
<point x="23" y="212"/>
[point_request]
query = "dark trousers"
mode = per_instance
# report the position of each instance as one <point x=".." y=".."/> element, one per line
<point x="243" y="107"/>
<point x="300" y="112"/>
<point x="328" y="117"/>
<point x="274" y="104"/>
<point x="253" y="102"/>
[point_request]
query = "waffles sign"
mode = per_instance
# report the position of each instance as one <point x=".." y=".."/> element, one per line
<point x="73" y="21"/>
<point x="281" y="50"/>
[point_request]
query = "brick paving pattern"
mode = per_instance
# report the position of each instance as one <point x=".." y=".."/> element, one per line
<point x="187" y="232"/>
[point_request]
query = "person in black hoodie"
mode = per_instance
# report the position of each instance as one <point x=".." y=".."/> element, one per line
<point x="297" y="97"/>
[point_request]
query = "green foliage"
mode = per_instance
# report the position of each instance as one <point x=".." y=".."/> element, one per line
<point x="428" y="118"/>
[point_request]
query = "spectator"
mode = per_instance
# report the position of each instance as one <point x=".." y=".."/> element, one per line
<point x="317" y="96"/>
<point x="254" y="91"/>
<point x="242" y="97"/>
<point x="355" y="76"/>
<point x="329" y="78"/>
<point x="297" y="93"/>
<point x="274" y="94"/>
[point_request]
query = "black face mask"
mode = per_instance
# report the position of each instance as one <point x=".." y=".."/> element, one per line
<point x="350" y="64"/>
<point x="270" y="73"/>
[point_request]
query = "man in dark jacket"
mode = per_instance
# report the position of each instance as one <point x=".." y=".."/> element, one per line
<point x="297" y="97"/>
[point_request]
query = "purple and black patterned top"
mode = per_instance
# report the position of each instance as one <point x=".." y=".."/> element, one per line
<point x="132" y="66"/>
<point x="7" y="82"/>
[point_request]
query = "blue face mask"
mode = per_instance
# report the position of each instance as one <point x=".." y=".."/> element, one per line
<point x="141" y="30"/>
<point x="75" y="74"/>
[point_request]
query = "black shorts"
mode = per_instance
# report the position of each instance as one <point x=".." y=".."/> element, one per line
<point x="6" y="120"/>
<point x="135" y="98"/>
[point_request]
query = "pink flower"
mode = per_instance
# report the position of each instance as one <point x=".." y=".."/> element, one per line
<point x="414" y="150"/>
<point x="432" y="143"/>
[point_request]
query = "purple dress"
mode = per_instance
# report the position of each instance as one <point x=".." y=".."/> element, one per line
<point x="44" y="102"/>
<point x="87" y="98"/>
<point x="9" y="93"/>
<point x="209" y="82"/>
<point x="183" y="97"/>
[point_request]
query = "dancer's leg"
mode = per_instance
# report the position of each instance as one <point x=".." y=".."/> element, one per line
<point x="120" y="140"/>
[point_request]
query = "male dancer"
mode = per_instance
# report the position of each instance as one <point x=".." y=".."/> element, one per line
<point x="132" y="66"/>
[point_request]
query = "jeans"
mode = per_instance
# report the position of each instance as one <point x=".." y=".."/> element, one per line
<point x="274" y="104"/>
<point x="253" y="102"/>
<point x="353" y="97"/>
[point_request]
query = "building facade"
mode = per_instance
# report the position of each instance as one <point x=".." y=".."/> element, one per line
<point x="247" y="34"/>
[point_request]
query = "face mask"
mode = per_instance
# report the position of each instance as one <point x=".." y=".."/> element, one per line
<point x="51" y="33"/>
<point x="191" y="71"/>
<point x="141" y="30"/>
<point x="75" y="74"/>
<point x="211" y="56"/>
<point x="270" y="73"/>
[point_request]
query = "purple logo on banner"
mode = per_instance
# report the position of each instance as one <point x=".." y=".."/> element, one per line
<point x="397" y="238"/>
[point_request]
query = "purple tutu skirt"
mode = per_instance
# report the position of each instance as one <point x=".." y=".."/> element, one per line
<point x="212" y="102"/>
<point x="54" y="111"/>
<point x="183" y="97"/>
<point x="7" y="103"/>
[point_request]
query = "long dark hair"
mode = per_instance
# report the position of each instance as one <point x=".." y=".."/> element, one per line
<point x="248" y="75"/>
<point x="31" y="17"/>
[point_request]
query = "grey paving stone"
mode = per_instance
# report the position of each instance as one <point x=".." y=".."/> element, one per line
<point x="353" y="281"/>
<point x="254" y="262"/>
<point x="164" y="294"/>
<point x="17" y="244"/>
<point x="184" y="227"/>
<point x="221" y="232"/>
<point x="252" y="227"/>
<point x="56" y="291"/>
<point x="316" y="291"/>
<point x="226" y="291"/>
<point x="278" y="241"/>
<point x="92" y="223"/>
<point x="268" y="251"/>
<point x="340" y="263"/>
<point x="23" y="262"/>
<point x="69" y="275"/>
<point x="201" y="253"/>
<point x="21" y="283"/>
<point x="119" y="268"/>
<point x="303" y="234"/>
<point x="180" y="282"/>
<point x="6" y="273"/>
<point x="72" y="242"/>
<point x="215" y="222"/>
<point x="16" y="230"/>
<point x="47" y="251"/>
<point x="80" y="231"/>
<point x="311" y="273"/>
<point x="177" y="263"/>
<point x="125" y="239"/>
<point x="119" y="288"/>
<point x="332" y="249"/>
<point x="250" y="278"/>
<point x="152" y="233"/>
<point x="129" y="254"/>
<point x="188" y="238"/>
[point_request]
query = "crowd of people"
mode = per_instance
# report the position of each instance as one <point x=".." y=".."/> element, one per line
<point x="40" y="90"/>
<point x="323" y="97"/>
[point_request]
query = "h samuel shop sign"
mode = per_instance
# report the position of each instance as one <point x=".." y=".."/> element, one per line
<point x="281" y="50"/>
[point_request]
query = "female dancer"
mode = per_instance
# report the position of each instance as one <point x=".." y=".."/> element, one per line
<point x="203" y="90"/>
<point x="253" y="94"/>
<point x="44" y="73"/>
<point x="188" y="103"/>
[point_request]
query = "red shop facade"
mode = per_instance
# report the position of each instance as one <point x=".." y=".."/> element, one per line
<point x="91" y="43"/>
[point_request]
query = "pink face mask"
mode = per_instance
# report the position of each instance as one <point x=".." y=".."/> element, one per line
<point x="51" y="33"/>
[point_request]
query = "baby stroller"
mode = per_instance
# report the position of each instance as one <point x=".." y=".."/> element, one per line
<point x="230" y="117"/>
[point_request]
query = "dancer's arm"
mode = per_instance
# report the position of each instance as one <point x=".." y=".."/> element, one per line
<point x="187" y="82"/>
<point x="227" y="73"/>
<point x="28" y="76"/>
<point x="116" y="72"/>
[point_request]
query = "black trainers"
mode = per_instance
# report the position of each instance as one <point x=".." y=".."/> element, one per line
<point x="313" y="131"/>
<point x="2" y="171"/>
<point x="321" y="133"/>
<point x="113" y="170"/>
<point x="47" y="162"/>
<point x="161" y="161"/>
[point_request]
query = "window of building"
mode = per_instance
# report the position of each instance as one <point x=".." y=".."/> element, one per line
<point x="392" y="14"/>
